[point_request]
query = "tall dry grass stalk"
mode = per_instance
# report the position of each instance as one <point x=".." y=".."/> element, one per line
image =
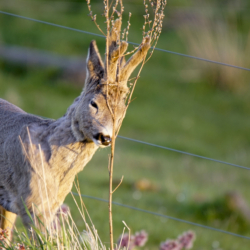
<point x="152" y="28"/>
<point x="67" y="235"/>
<point x="47" y="229"/>
<point x="218" y="40"/>
<point x="62" y="234"/>
<point x="61" y="231"/>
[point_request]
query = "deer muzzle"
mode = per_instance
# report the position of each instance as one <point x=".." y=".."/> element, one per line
<point x="104" y="140"/>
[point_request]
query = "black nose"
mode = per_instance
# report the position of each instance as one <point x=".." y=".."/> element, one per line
<point x="104" y="139"/>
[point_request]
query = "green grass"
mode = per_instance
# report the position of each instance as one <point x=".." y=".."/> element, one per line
<point x="169" y="109"/>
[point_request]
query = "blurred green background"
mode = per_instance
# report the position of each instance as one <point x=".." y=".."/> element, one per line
<point x="182" y="103"/>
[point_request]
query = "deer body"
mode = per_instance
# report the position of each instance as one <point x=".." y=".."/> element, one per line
<point x="39" y="158"/>
<point x="47" y="153"/>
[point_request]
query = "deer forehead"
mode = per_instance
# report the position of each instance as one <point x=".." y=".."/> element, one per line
<point x="114" y="91"/>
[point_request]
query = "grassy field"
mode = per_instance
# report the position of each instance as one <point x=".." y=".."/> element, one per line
<point x="173" y="107"/>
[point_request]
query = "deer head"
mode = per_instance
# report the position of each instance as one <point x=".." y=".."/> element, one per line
<point x="105" y="89"/>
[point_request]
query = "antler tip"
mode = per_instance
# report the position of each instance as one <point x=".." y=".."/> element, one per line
<point x="147" y="39"/>
<point x="117" y="22"/>
<point x="124" y="45"/>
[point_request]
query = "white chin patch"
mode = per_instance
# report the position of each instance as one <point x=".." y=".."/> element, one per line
<point x="105" y="146"/>
<point x="99" y="144"/>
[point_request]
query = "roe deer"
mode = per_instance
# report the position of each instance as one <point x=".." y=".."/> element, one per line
<point x="39" y="158"/>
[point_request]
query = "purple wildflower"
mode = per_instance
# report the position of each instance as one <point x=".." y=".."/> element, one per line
<point x="126" y="241"/>
<point x="186" y="240"/>
<point x="140" y="238"/>
<point x="170" y="245"/>
<point x="62" y="211"/>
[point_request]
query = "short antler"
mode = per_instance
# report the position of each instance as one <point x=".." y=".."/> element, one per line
<point x="118" y="69"/>
<point x="116" y="50"/>
<point x="135" y="59"/>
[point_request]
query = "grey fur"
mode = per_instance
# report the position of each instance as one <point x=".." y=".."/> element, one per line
<point x="39" y="158"/>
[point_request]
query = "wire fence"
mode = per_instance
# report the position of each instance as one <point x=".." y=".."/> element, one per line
<point x="150" y="144"/>
<point x="137" y="44"/>
<point x="163" y="216"/>
<point x="182" y="152"/>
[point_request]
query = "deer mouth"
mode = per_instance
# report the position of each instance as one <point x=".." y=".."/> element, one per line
<point x="102" y="140"/>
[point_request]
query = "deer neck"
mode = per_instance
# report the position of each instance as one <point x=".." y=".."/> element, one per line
<point x="61" y="150"/>
<point x="55" y="155"/>
<point x="68" y="156"/>
<point x="59" y="132"/>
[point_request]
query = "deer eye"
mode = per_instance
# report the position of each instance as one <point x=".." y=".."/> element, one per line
<point x="93" y="104"/>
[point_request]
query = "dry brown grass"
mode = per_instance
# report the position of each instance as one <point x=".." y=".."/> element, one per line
<point x="220" y="41"/>
<point x="151" y="31"/>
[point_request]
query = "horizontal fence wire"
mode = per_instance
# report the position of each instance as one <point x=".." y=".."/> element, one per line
<point x="146" y="143"/>
<point x="51" y="24"/>
<point x="94" y="34"/>
<point x="182" y="152"/>
<point x="177" y="151"/>
<point x="164" y="216"/>
<point x="150" y="144"/>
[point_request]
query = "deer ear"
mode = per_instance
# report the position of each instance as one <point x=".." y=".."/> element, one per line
<point x="95" y="66"/>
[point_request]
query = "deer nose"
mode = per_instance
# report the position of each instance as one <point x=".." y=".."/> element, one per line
<point x="104" y="139"/>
